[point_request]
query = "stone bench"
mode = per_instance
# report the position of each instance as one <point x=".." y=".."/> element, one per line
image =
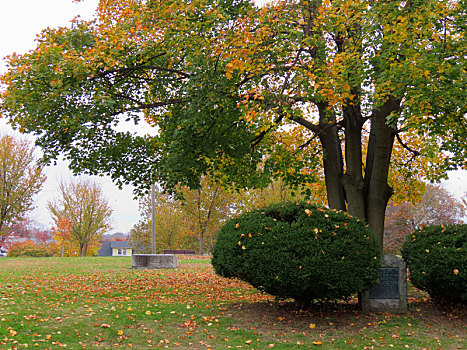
<point x="180" y="251"/>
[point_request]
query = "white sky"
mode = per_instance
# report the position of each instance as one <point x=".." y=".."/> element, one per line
<point x="20" y="21"/>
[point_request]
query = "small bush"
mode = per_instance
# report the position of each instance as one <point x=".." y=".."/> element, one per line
<point x="299" y="251"/>
<point x="30" y="249"/>
<point x="437" y="261"/>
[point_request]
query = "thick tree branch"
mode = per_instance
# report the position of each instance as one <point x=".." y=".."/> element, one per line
<point x="307" y="124"/>
<point x="144" y="67"/>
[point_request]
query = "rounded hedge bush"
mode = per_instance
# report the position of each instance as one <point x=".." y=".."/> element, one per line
<point x="437" y="261"/>
<point x="299" y="251"/>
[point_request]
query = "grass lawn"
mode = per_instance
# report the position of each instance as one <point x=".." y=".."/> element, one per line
<point x="46" y="303"/>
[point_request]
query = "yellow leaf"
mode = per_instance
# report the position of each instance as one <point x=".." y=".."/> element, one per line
<point x="148" y="313"/>
<point x="120" y="332"/>
<point x="319" y="342"/>
<point x="243" y="247"/>
<point x="312" y="326"/>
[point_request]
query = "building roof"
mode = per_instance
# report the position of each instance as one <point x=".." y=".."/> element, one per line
<point x="119" y="244"/>
<point x="105" y="249"/>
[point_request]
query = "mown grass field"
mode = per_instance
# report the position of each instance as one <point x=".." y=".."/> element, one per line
<point x="47" y="303"/>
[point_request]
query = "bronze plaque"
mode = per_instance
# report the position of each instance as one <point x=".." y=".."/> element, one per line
<point x="388" y="285"/>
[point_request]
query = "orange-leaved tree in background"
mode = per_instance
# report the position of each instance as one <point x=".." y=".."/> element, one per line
<point x="62" y="235"/>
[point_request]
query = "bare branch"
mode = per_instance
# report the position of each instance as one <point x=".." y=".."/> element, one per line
<point x="415" y="153"/>
<point x="142" y="106"/>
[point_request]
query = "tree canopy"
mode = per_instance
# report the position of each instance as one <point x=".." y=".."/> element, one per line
<point x="248" y="93"/>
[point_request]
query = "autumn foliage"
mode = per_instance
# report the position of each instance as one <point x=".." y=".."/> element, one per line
<point x="299" y="251"/>
<point x="31" y="249"/>
<point x="435" y="207"/>
<point x="188" y="223"/>
<point x="437" y="261"/>
<point x="62" y="235"/>
<point x="82" y="215"/>
<point x="21" y="178"/>
<point x="227" y="86"/>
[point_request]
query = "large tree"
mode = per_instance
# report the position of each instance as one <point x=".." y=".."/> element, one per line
<point x="88" y="212"/>
<point x="223" y="81"/>
<point x="21" y="178"/>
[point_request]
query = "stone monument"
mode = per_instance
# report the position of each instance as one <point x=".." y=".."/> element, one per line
<point x="390" y="293"/>
<point x="154" y="261"/>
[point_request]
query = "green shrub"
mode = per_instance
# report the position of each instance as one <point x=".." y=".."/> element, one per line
<point x="299" y="251"/>
<point x="31" y="249"/>
<point x="437" y="261"/>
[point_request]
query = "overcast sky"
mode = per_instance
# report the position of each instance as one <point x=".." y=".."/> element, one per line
<point x="20" y="22"/>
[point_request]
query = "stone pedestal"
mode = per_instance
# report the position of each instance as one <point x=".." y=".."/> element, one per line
<point x="154" y="261"/>
<point x="390" y="293"/>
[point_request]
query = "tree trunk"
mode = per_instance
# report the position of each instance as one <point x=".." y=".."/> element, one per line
<point x="332" y="161"/>
<point x="353" y="179"/>
<point x="81" y="249"/>
<point x="365" y="196"/>
<point x="201" y="243"/>
<point x="377" y="190"/>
